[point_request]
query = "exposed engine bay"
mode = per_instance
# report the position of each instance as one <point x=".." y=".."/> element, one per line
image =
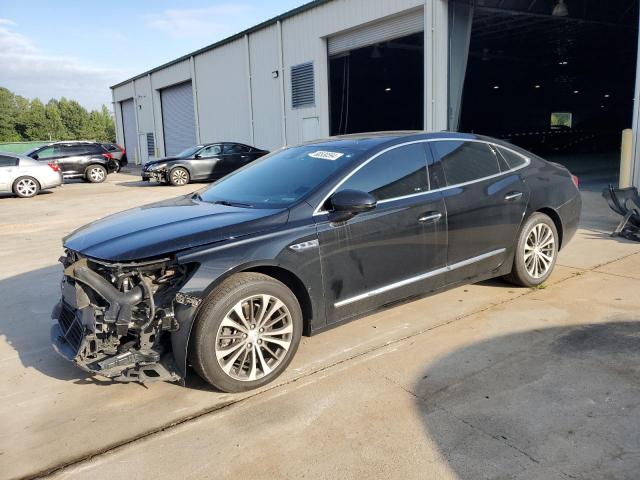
<point x="113" y="318"/>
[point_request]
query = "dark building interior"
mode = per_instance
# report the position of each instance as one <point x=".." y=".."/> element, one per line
<point x="378" y="87"/>
<point x="555" y="77"/>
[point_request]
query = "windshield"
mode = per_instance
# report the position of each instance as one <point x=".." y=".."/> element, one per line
<point x="189" y="152"/>
<point x="281" y="178"/>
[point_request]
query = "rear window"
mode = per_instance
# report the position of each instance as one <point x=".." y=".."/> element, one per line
<point x="464" y="161"/>
<point x="513" y="159"/>
<point x="7" y="161"/>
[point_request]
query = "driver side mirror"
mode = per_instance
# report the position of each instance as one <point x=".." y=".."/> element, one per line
<point x="347" y="203"/>
<point x="35" y="156"/>
<point x="197" y="156"/>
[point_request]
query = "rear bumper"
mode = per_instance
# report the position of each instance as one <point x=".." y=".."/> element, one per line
<point x="570" y="216"/>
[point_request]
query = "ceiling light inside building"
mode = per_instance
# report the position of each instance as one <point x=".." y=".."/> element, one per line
<point x="576" y="91"/>
<point x="536" y="86"/>
<point x="606" y="95"/>
<point x="496" y="87"/>
<point x="560" y="9"/>
<point x="388" y="89"/>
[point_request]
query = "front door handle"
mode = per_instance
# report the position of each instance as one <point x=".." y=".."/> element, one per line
<point x="430" y="217"/>
<point x="512" y="196"/>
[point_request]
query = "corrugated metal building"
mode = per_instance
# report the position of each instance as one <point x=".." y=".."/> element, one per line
<point x="298" y="76"/>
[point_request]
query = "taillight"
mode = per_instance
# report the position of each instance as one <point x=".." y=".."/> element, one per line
<point x="120" y="147"/>
<point x="54" y="166"/>
<point x="576" y="181"/>
<point x="108" y="156"/>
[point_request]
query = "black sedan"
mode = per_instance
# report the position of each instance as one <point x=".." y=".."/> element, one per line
<point x="227" y="279"/>
<point x="201" y="162"/>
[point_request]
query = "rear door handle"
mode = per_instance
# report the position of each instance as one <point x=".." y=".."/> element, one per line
<point x="430" y="217"/>
<point x="511" y="196"/>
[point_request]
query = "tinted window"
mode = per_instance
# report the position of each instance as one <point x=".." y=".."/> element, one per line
<point x="281" y="178"/>
<point x="465" y="161"/>
<point x="110" y="147"/>
<point x="513" y="159"/>
<point x="70" y="150"/>
<point x="46" y="153"/>
<point x="6" y="161"/>
<point x="235" y="148"/>
<point x="210" y="151"/>
<point x="398" y="172"/>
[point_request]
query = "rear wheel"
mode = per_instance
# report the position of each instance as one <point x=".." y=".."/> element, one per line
<point x="95" y="173"/>
<point x="536" y="251"/>
<point x="179" y="176"/>
<point x="26" y="187"/>
<point x="247" y="333"/>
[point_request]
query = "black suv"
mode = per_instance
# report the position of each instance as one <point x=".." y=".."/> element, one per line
<point x="88" y="160"/>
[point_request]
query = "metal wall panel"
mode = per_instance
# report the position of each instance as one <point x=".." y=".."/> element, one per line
<point x="223" y="101"/>
<point x="178" y="118"/>
<point x="265" y="89"/>
<point x="377" y="32"/>
<point x="304" y="39"/>
<point x="130" y="129"/>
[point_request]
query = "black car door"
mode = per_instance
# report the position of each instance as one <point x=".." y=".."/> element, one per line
<point x="205" y="162"/>
<point x="72" y="158"/>
<point x="485" y="202"/>
<point x="396" y="250"/>
<point x="235" y="155"/>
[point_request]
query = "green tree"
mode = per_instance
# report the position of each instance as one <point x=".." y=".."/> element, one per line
<point x="74" y="117"/>
<point x="36" y="122"/>
<point x="8" y="116"/>
<point x="54" y="124"/>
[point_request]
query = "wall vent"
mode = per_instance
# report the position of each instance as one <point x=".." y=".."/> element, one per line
<point x="302" y="85"/>
<point x="151" y="145"/>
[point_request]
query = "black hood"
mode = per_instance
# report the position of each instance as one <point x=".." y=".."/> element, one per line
<point x="163" y="160"/>
<point x="169" y="226"/>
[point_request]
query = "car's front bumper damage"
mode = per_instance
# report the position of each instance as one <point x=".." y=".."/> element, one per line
<point x="114" y="319"/>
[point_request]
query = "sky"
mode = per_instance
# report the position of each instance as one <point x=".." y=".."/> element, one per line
<point x="77" y="49"/>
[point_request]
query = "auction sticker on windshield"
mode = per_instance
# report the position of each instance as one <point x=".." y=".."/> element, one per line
<point x="326" y="155"/>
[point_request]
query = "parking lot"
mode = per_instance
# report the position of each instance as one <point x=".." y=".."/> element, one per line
<point x="483" y="381"/>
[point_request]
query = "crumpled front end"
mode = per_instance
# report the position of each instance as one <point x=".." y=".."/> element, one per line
<point x="114" y="319"/>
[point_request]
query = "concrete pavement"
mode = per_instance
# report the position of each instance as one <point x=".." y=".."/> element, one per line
<point x="364" y="375"/>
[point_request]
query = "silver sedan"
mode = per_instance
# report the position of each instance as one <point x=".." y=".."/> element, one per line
<point x="25" y="177"/>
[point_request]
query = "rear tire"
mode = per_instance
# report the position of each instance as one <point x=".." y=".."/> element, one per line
<point x="246" y="333"/>
<point x="536" y="252"/>
<point x="179" y="176"/>
<point x="26" y="187"/>
<point x="95" y="174"/>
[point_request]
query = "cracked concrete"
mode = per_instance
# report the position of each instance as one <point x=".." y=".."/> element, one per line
<point x="479" y="382"/>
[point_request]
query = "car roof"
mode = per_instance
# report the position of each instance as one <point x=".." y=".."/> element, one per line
<point x="17" y="155"/>
<point x="368" y="140"/>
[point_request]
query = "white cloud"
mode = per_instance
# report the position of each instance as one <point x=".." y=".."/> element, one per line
<point x="213" y="22"/>
<point x="28" y="71"/>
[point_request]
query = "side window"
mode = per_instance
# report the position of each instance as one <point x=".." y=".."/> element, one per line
<point x="465" y="161"/>
<point x="398" y="172"/>
<point x="233" y="148"/>
<point x="96" y="149"/>
<point x="513" y="159"/>
<point x="46" y="153"/>
<point x="210" y="151"/>
<point x="6" y="161"/>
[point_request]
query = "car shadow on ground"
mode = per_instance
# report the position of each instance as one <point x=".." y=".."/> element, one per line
<point x="11" y="195"/>
<point x="546" y="403"/>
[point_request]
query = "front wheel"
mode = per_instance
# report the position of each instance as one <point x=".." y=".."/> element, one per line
<point x="536" y="251"/>
<point x="247" y="333"/>
<point x="26" y="187"/>
<point x="179" y="176"/>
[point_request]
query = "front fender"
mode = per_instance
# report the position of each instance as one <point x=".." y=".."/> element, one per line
<point x="220" y="261"/>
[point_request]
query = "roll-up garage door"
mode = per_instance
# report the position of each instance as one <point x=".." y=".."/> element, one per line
<point x="381" y="31"/>
<point x="130" y="130"/>
<point x="178" y="118"/>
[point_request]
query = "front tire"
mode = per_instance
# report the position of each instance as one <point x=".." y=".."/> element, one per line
<point x="179" y="176"/>
<point x="26" y="187"/>
<point x="246" y="333"/>
<point x="95" y="174"/>
<point x="536" y="251"/>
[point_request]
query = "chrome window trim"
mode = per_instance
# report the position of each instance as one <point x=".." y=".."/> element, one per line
<point x="417" y="278"/>
<point x="317" y="211"/>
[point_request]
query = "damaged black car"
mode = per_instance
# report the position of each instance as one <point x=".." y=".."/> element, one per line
<point x="227" y="279"/>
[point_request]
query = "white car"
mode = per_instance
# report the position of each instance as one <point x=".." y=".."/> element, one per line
<point x="25" y="176"/>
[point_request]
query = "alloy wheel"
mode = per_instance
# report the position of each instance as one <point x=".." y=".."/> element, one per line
<point x="26" y="187"/>
<point x="539" y="250"/>
<point x="254" y="337"/>
<point x="96" y="174"/>
<point x="179" y="177"/>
